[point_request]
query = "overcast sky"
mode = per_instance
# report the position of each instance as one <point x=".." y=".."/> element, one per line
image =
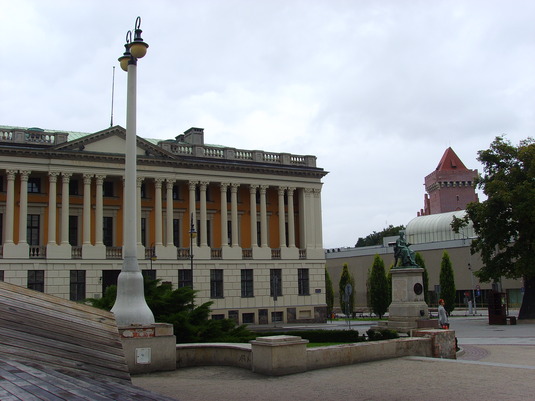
<point x="377" y="90"/>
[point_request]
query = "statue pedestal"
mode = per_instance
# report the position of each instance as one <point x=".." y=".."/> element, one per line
<point x="408" y="305"/>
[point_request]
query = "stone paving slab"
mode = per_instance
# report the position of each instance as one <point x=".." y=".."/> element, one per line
<point x="498" y="364"/>
<point x="394" y="379"/>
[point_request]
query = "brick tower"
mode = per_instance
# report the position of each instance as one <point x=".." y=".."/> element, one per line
<point x="450" y="187"/>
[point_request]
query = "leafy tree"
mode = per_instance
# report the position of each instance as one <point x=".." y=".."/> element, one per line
<point x="346" y="278"/>
<point x="376" y="238"/>
<point x="329" y="293"/>
<point x="191" y="323"/>
<point x="447" y="283"/>
<point x="379" y="287"/>
<point x="505" y="222"/>
<point x="421" y="262"/>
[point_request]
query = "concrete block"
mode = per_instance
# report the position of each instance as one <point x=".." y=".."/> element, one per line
<point x="279" y="355"/>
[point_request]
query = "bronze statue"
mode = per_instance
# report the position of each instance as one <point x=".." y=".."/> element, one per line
<point x="403" y="253"/>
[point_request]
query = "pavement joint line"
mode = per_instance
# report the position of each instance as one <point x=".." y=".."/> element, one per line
<point x="503" y="365"/>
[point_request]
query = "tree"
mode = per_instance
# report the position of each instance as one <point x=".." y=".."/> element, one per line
<point x="447" y="283"/>
<point x="346" y="278"/>
<point x="376" y="238"/>
<point x="379" y="287"/>
<point x="329" y="293"/>
<point x="421" y="262"/>
<point x="191" y="323"/>
<point x="505" y="222"/>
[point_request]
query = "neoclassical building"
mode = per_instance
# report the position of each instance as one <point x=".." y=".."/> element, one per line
<point x="243" y="227"/>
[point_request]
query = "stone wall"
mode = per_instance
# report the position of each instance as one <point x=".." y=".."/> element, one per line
<point x="280" y="355"/>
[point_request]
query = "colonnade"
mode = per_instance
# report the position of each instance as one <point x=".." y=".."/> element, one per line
<point x="309" y="213"/>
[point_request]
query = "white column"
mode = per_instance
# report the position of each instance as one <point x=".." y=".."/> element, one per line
<point x="317" y="218"/>
<point x="204" y="217"/>
<point x="23" y="214"/>
<point x="52" y="194"/>
<point x="86" y="233"/>
<point x="99" y="209"/>
<point x="169" y="212"/>
<point x="192" y="215"/>
<point x="309" y="219"/>
<point x="158" y="211"/>
<point x="65" y="208"/>
<point x="282" y="219"/>
<point x="291" y="220"/>
<point x="252" y="207"/>
<point x="302" y="218"/>
<point x="263" y="216"/>
<point x="234" y="212"/>
<point x="10" y="206"/>
<point x="224" y="217"/>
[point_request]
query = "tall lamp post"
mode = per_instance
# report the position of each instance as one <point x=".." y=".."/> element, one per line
<point x="130" y="307"/>
<point x="192" y="234"/>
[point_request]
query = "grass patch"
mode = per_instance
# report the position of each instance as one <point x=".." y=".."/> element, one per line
<point x="313" y="345"/>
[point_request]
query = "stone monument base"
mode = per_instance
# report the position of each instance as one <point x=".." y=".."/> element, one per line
<point x="408" y="306"/>
<point x="149" y="348"/>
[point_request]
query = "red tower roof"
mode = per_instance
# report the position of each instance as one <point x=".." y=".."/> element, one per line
<point x="450" y="161"/>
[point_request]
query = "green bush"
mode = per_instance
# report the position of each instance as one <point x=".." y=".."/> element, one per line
<point x="327" y="336"/>
<point x="191" y="323"/>
<point x="378" y="335"/>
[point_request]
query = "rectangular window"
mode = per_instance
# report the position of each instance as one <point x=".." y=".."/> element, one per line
<point x="77" y="285"/>
<point x="1" y="183"/>
<point x="107" y="231"/>
<point x="144" y="231"/>
<point x="1" y="275"/>
<point x="33" y="229"/>
<point x="276" y="317"/>
<point x="247" y="318"/>
<point x="36" y="280"/>
<point x="34" y="185"/>
<point x="247" y="289"/>
<point x="303" y="282"/>
<point x="216" y="283"/>
<point x="229" y="232"/>
<point x="275" y="282"/>
<point x="74" y="187"/>
<point x="109" y="278"/>
<point x="149" y="274"/>
<point x="176" y="232"/>
<point x="176" y="192"/>
<point x="1" y="225"/>
<point x="184" y="278"/>
<point x="107" y="188"/>
<point x="73" y="230"/>
<point x="234" y="315"/>
<point x="143" y="191"/>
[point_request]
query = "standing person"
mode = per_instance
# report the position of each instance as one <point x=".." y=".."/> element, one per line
<point x="442" y="315"/>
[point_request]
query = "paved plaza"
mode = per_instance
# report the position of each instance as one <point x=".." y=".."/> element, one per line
<point x="496" y="363"/>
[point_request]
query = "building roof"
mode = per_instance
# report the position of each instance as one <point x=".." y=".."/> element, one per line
<point x="450" y="161"/>
<point x="436" y="227"/>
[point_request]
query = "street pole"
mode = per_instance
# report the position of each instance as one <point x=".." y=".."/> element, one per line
<point x="130" y="307"/>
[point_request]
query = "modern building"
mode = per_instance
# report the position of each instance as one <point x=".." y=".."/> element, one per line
<point x="450" y="187"/>
<point x="431" y="236"/>
<point x="243" y="227"/>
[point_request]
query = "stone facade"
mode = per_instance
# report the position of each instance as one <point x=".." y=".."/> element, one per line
<point x="240" y="225"/>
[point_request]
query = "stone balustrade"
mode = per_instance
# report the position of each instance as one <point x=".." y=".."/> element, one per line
<point x="33" y="136"/>
<point x="215" y="152"/>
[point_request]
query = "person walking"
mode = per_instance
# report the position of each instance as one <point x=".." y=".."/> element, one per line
<point x="442" y="315"/>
